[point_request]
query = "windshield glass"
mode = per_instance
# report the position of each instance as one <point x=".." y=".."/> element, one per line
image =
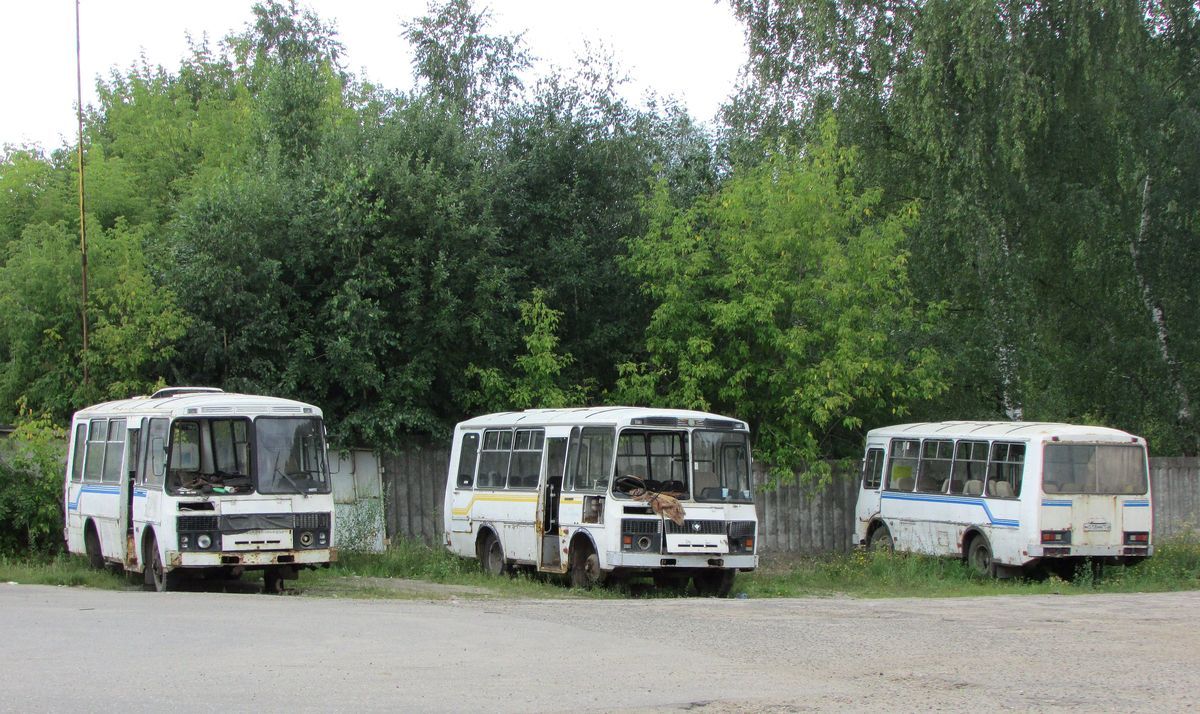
<point x="208" y="456"/>
<point x="657" y="458"/>
<point x="721" y="467"/>
<point x="291" y="455"/>
<point x="1095" y="468"/>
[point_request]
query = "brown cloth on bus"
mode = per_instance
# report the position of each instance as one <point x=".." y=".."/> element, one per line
<point x="663" y="504"/>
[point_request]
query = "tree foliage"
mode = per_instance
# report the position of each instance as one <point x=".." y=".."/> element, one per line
<point x="784" y="297"/>
<point x="1034" y="135"/>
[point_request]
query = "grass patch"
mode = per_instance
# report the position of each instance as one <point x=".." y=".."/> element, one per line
<point x="68" y="570"/>
<point x="362" y="574"/>
<point x="1174" y="566"/>
<point x="413" y="570"/>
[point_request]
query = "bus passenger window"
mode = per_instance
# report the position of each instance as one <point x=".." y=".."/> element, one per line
<point x="97" y="434"/>
<point x="903" y="470"/>
<point x="935" y="465"/>
<point x="114" y="451"/>
<point x="77" y="453"/>
<point x="970" y="468"/>
<point x="1004" y="471"/>
<point x="872" y="472"/>
<point x="466" y="460"/>
<point x="493" y="459"/>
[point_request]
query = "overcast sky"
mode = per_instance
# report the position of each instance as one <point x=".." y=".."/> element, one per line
<point x="690" y="49"/>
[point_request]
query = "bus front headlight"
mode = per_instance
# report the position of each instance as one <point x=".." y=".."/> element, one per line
<point x="203" y="541"/>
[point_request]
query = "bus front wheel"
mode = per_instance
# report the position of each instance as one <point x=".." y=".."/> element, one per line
<point x="979" y="557"/>
<point x="714" y="583"/>
<point x="157" y="577"/>
<point x="585" y="567"/>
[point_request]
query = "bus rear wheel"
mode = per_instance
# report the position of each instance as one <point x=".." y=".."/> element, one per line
<point x="91" y="546"/>
<point x="881" y="539"/>
<point x="491" y="556"/>
<point x="979" y="557"/>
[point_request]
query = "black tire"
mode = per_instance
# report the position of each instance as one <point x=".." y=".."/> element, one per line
<point x="714" y="583"/>
<point x="979" y="557"/>
<point x="91" y="546"/>
<point x="881" y="540"/>
<point x="491" y="556"/>
<point x="273" y="582"/>
<point x="157" y="577"/>
<point x="671" y="583"/>
<point x="585" y="567"/>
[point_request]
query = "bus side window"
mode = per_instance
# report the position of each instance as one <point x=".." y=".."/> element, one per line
<point x="1004" y="471"/>
<point x="113" y="451"/>
<point x="905" y="456"/>
<point x="77" y="452"/>
<point x="466" y="460"/>
<point x="97" y="434"/>
<point x="156" y="452"/>
<point x="935" y="465"/>
<point x="493" y="460"/>
<point x="970" y="467"/>
<point x="872" y="472"/>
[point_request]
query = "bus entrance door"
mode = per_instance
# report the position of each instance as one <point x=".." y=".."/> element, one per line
<point x="128" y="551"/>
<point x="549" y="496"/>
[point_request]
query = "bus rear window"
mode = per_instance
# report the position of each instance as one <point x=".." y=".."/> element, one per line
<point x="1095" y="468"/>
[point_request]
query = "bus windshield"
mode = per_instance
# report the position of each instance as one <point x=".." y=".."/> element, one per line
<point x="291" y="455"/>
<point x="235" y="456"/>
<point x="1095" y="469"/>
<point x="721" y="467"/>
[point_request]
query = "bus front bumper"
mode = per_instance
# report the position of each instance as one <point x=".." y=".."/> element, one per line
<point x="659" y="561"/>
<point x="178" y="559"/>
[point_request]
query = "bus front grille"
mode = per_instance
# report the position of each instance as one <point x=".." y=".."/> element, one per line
<point x="697" y="527"/>
<point x="741" y="529"/>
<point x="189" y="524"/>
<point x="638" y="525"/>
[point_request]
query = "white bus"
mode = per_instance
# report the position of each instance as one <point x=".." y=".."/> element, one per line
<point x="1003" y="495"/>
<point x="536" y="489"/>
<point x="196" y="480"/>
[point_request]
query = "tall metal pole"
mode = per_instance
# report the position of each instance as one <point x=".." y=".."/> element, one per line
<point x="82" y="219"/>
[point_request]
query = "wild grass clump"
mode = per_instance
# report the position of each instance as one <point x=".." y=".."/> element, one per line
<point x="408" y="559"/>
<point x="68" y="570"/>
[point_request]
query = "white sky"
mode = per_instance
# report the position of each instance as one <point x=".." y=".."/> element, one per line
<point x="689" y="49"/>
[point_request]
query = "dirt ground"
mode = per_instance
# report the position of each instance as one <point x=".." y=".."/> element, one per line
<point x="190" y="651"/>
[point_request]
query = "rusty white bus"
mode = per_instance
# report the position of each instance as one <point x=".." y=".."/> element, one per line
<point x="1003" y="495"/>
<point x="194" y="480"/>
<point x="546" y="490"/>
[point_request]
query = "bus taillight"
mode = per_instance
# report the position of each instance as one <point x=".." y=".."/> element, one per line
<point x="1137" y="538"/>
<point x="1056" y="537"/>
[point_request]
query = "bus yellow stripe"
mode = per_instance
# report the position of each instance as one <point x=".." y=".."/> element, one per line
<point x="496" y="497"/>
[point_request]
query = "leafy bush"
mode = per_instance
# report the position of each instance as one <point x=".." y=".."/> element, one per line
<point x="31" y="482"/>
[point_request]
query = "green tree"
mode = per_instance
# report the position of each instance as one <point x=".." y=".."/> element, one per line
<point x="135" y="323"/>
<point x="31" y="488"/>
<point x="784" y="298"/>
<point x="538" y="379"/>
<point x="1035" y="135"/>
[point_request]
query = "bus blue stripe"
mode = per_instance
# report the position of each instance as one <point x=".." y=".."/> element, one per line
<point x="1066" y="504"/>
<point x="94" y="488"/>
<point x="1137" y="504"/>
<point x="955" y="500"/>
<point x="105" y="490"/>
